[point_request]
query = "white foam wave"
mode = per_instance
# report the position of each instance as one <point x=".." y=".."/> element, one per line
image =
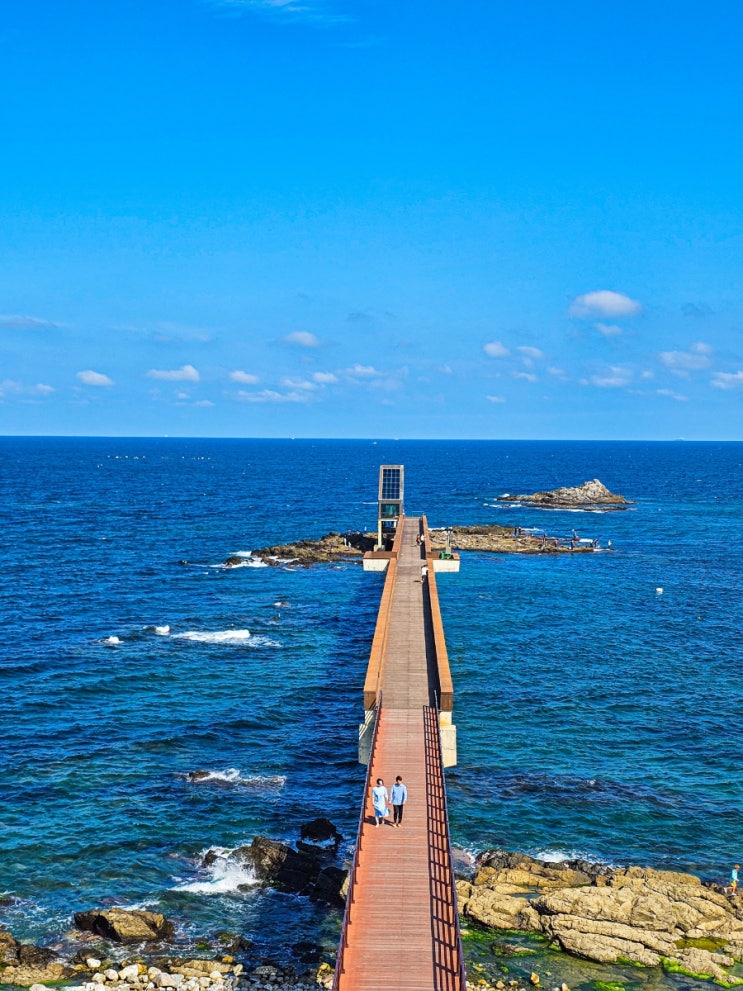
<point x="222" y="877"/>
<point x="246" y="562"/>
<point x="111" y="641"/>
<point x="233" y="776"/>
<point x="162" y="631"/>
<point x="217" y="636"/>
<point x="560" y="856"/>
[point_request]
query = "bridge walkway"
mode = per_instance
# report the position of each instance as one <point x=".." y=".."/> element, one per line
<point x="394" y="935"/>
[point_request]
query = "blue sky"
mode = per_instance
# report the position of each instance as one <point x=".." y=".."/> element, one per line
<point x="349" y="218"/>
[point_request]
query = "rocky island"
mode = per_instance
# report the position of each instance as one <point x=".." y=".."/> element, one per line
<point x="337" y="547"/>
<point x="590" y="496"/>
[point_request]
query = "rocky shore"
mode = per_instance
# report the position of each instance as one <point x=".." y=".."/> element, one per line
<point x="592" y="495"/>
<point x="634" y="916"/>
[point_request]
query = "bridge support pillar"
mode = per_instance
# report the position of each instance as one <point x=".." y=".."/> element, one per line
<point x="448" y="732"/>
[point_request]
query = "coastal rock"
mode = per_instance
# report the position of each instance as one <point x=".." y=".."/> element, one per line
<point x="332" y="547"/>
<point x="648" y="917"/>
<point x="331" y="885"/>
<point x="28" y="975"/>
<point x="500" y="909"/>
<point x="125" y="925"/>
<point x="8" y="947"/>
<point x="279" y="865"/>
<point x="319" y="835"/>
<point x="590" y="495"/>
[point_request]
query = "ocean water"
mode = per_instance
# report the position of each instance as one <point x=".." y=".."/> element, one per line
<point x="597" y="716"/>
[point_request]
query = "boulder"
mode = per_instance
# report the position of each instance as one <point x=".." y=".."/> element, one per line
<point x="330" y="886"/>
<point x="279" y="865"/>
<point x="319" y="835"/>
<point x="125" y="925"/>
<point x="497" y="909"/>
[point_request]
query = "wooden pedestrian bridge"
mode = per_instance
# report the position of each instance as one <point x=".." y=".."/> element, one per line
<point x="401" y="927"/>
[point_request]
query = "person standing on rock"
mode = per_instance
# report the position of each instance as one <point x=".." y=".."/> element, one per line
<point x="398" y="797"/>
<point x="733" y="886"/>
<point x="379" y="801"/>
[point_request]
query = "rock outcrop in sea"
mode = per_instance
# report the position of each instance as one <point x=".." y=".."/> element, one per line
<point x="592" y="495"/>
<point x="647" y="917"/>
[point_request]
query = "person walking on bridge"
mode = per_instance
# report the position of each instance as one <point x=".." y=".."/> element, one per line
<point x="379" y="800"/>
<point x="398" y="797"/>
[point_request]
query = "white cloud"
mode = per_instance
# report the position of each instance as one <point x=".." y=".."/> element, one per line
<point x="530" y="352"/>
<point x="303" y="339"/>
<point x="526" y="376"/>
<point x="614" y="378"/>
<point x="446" y="370"/>
<point x="290" y="383"/>
<point x="604" y="303"/>
<point x="496" y="399"/>
<point x="670" y="394"/>
<point x="10" y="386"/>
<point x="187" y="373"/>
<point x="495" y="349"/>
<point x="559" y="373"/>
<point x="94" y="378"/>
<point x="727" y="380"/>
<point x="683" y="362"/>
<point x="324" y="378"/>
<point x="608" y="329"/>
<point x="24" y="322"/>
<point x="206" y="403"/>
<point x="244" y="378"/>
<point x="312" y="10"/>
<point x="270" y="396"/>
<point x="362" y="371"/>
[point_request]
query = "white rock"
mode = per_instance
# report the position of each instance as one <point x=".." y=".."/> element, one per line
<point x="153" y="972"/>
<point x="111" y="974"/>
<point x="98" y="978"/>
<point x="164" y="980"/>
<point x="38" y="987"/>
<point x="130" y="973"/>
<point x="92" y="963"/>
<point x="205" y="982"/>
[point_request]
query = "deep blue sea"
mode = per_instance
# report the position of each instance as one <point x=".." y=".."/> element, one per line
<point x="597" y="716"/>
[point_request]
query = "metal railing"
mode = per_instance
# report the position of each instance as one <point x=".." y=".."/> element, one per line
<point x="343" y="942"/>
<point x="448" y="962"/>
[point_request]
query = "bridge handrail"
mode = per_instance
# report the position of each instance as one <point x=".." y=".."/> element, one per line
<point x="445" y="688"/>
<point x="459" y="977"/>
<point x="343" y="942"/>
<point x="374" y="670"/>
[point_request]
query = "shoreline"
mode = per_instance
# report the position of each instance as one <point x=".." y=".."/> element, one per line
<point x="523" y="920"/>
